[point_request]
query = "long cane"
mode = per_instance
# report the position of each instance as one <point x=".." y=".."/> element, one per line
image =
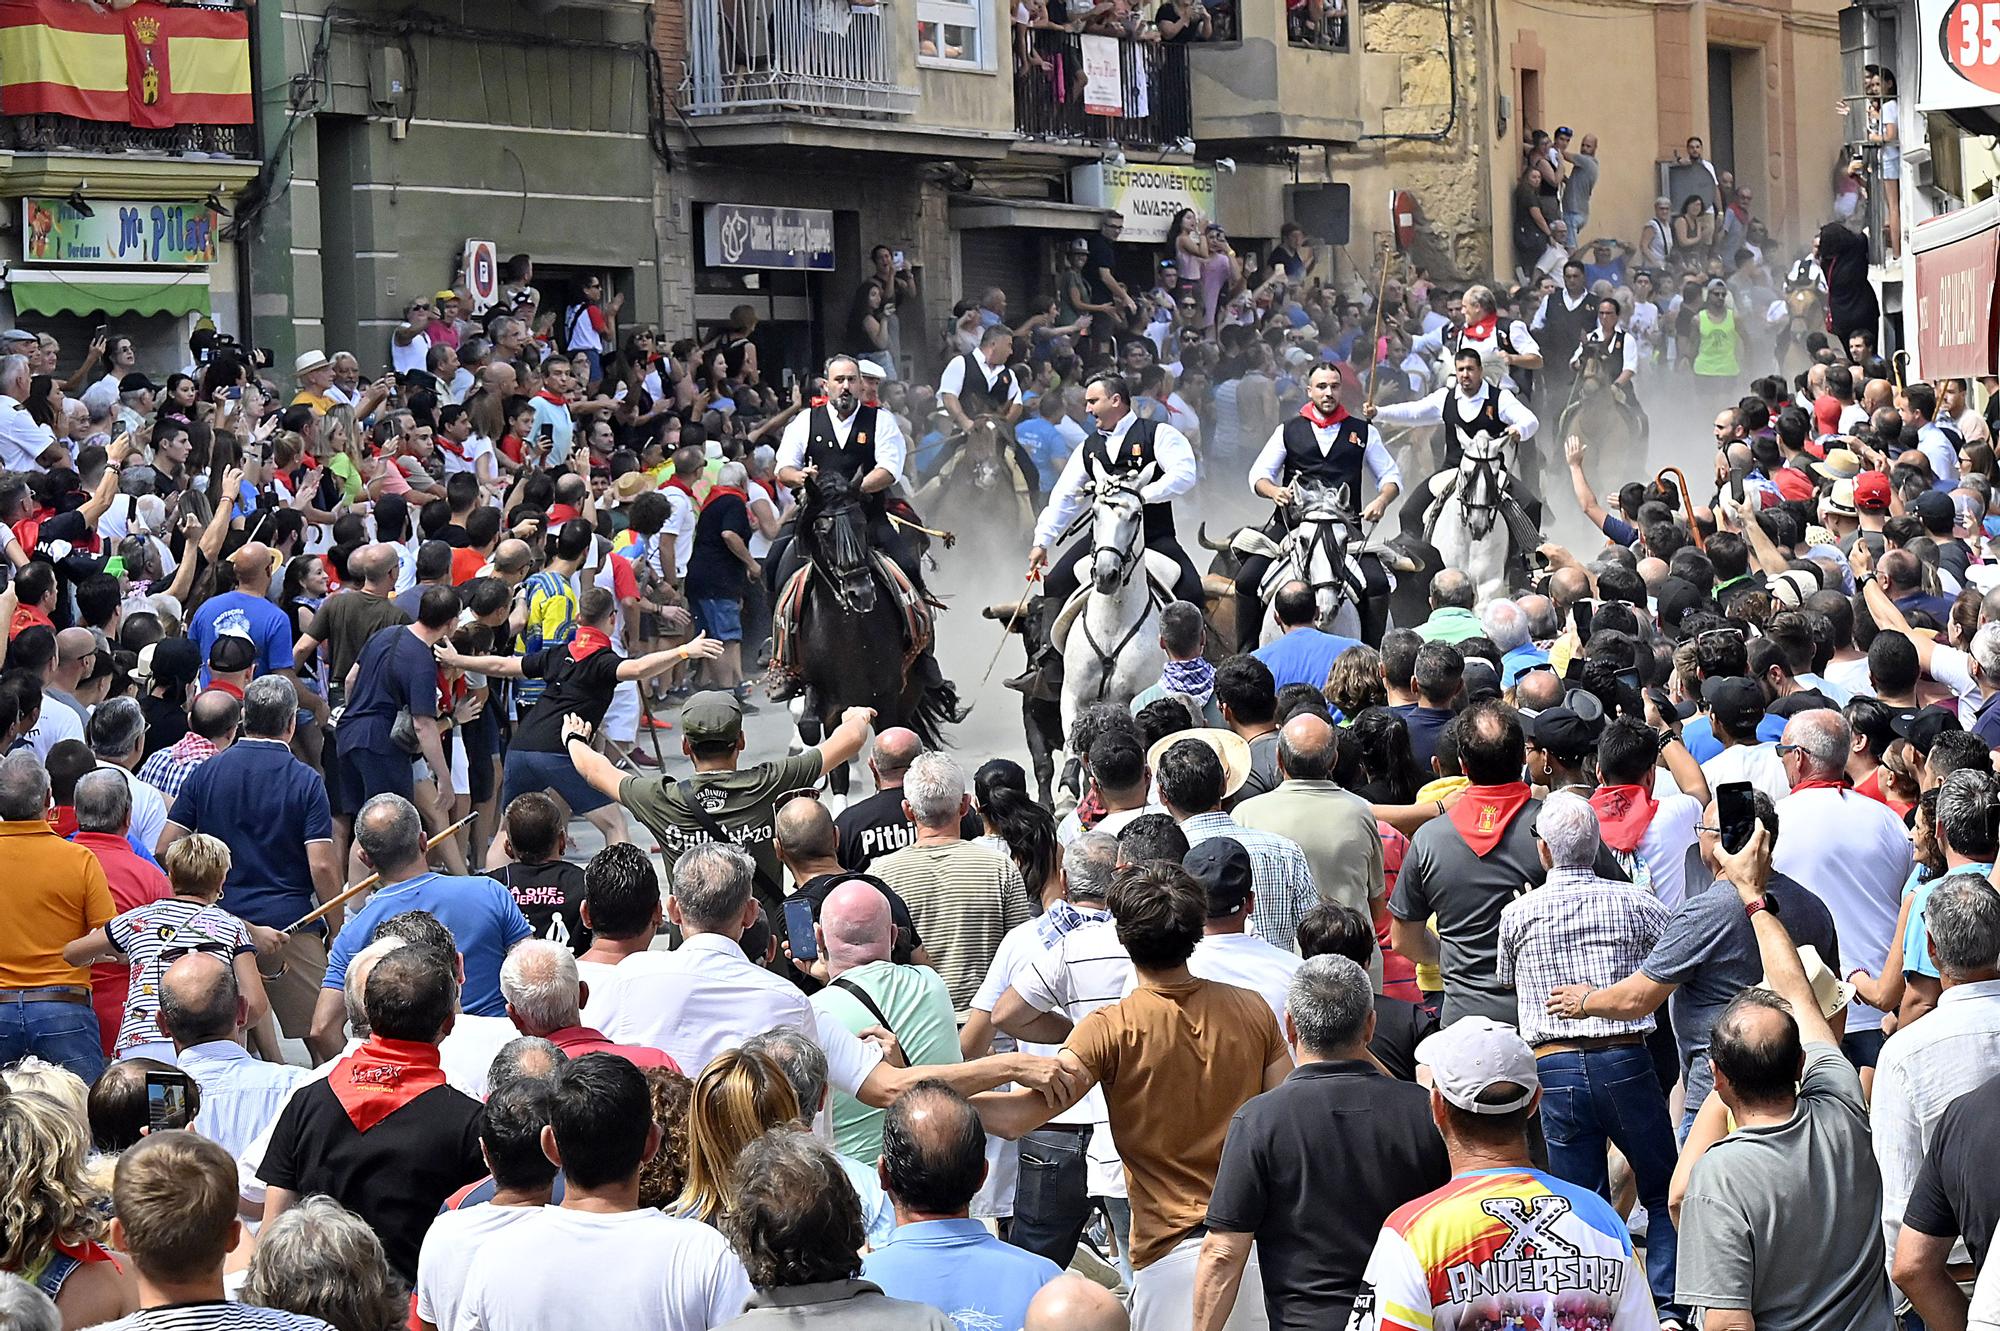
<point x="1687" y="498"/>
<point x="1006" y="632"/>
<point x="329" y="907"/>
<point x="1375" y="343"/>
<point x="652" y="731"/>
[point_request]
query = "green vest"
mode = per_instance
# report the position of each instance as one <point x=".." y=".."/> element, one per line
<point x="1715" y="343"/>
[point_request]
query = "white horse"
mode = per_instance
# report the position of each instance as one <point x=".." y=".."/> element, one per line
<point x="1108" y="634"/>
<point x="1316" y="553"/>
<point x="1465" y="523"/>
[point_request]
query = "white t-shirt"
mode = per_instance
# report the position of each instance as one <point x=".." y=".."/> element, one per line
<point x="58" y="722"/>
<point x="452" y="1242"/>
<point x="681" y="518"/>
<point x="1851" y="675"/>
<point x="1248" y="962"/>
<point x="404" y="359"/>
<point x="631" y="1271"/>
<point x="1758" y="764"/>
<point x="475" y="447"/>
<point x="1664" y="846"/>
<point x="1854" y="854"/>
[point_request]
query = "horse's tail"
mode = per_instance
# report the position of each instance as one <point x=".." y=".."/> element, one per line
<point x="936" y="707"/>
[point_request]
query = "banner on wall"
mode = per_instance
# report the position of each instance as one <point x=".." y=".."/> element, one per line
<point x="1103" y="77"/>
<point x="744" y="235"/>
<point x="1958" y="260"/>
<point x="1146" y="194"/>
<point x="119" y="232"/>
<point x="151" y="66"/>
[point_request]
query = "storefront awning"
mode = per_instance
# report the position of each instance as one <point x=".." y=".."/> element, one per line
<point x="1958" y="259"/>
<point x="51" y="291"/>
<point x="978" y="213"/>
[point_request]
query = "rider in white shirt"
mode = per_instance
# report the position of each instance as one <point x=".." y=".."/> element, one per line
<point x="1469" y="406"/>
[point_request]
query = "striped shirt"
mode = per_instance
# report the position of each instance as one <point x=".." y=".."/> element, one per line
<point x="964" y="898"/>
<point x="1280" y="874"/>
<point x="1576" y="928"/>
<point x="215" y="1316"/>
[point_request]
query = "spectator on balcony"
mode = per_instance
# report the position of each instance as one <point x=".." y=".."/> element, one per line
<point x="1184" y="21"/>
<point x="1885" y="132"/>
<point x="868" y="324"/>
<point x="1292" y="254"/>
<point x="1101" y="268"/>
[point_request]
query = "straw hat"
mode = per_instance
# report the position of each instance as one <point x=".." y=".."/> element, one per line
<point x="1231" y="748"/>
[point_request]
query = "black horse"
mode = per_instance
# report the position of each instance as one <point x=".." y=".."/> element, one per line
<point x="853" y="650"/>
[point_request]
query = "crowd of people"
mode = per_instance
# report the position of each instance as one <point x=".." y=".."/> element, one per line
<point x="1482" y="974"/>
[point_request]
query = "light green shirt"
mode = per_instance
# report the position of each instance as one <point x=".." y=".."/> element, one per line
<point x="1452" y="624"/>
<point x="919" y="1011"/>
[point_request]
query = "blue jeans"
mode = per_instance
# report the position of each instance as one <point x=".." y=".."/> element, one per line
<point x="64" y="1033"/>
<point x="1052" y="1194"/>
<point x="1613" y="1094"/>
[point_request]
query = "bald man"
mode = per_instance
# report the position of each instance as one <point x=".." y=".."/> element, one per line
<point x="246" y="612"/>
<point x="204" y="1013"/>
<point x="872" y="828"/>
<point x="76" y="648"/>
<point x="1072" y="1303"/>
<point x="807" y="844"/>
<point x="865" y="988"/>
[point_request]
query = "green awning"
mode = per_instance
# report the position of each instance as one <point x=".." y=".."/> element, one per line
<point x="50" y="291"/>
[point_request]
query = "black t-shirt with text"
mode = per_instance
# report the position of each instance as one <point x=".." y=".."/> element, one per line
<point x="551" y="896"/>
<point x="877" y="826"/>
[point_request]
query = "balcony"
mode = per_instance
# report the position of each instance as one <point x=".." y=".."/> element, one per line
<point x="67" y="134"/>
<point x="1054" y="101"/>
<point x="784" y="57"/>
<point x="1291" y="77"/>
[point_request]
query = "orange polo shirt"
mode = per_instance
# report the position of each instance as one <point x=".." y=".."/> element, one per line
<point x="52" y="893"/>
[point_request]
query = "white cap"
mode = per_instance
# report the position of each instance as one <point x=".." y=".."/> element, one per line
<point x="868" y="369"/>
<point x="1476" y="1053"/>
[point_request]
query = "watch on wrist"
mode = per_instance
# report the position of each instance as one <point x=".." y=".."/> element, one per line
<point x="1750" y="908"/>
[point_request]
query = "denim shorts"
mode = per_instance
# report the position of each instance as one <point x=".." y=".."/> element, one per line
<point x="720" y="619"/>
<point x="525" y="772"/>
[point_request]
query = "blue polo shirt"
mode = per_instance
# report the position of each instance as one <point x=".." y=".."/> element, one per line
<point x="482" y="917"/>
<point x="1304" y="655"/>
<point x="265" y="805"/>
<point x="958" y="1268"/>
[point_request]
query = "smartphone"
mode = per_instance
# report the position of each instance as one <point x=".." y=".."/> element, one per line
<point x="799" y="929"/>
<point x="102" y="329"/>
<point x="1736" y="475"/>
<point x="902" y="261"/>
<point x="788" y="378"/>
<point x="545" y="438"/>
<point x="236" y="392"/>
<point x="1736" y="813"/>
<point x="1583" y="611"/>
<point x="167" y="1100"/>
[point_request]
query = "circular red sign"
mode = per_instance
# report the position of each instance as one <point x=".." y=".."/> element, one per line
<point x="1969" y="36"/>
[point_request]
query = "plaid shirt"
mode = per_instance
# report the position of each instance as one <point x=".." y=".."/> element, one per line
<point x="168" y="769"/>
<point x="1576" y="928"/>
<point x="1280" y="874"/>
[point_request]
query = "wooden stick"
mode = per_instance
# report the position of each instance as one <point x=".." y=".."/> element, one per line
<point x="1375" y="343"/>
<point x="646" y="706"/>
<point x="328" y="907"/>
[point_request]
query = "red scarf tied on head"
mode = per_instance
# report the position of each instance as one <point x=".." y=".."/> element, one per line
<point x="588" y="642"/>
<point x="1481" y="329"/>
<point x="1483" y="814"/>
<point x="382" y="1076"/>
<point x="1324" y="420"/>
<point x="1623" y="815"/>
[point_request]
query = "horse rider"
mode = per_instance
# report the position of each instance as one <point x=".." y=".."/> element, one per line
<point x="1122" y="444"/>
<point x="1506" y="344"/>
<point x="1323" y="443"/>
<point x="1565" y="316"/>
<point x="1608" y="342"/>
<point x="978" y="383"/>
<point x="1470" y="405"/>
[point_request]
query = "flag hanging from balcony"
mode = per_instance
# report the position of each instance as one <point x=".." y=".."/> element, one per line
<point x="149" y="65"/>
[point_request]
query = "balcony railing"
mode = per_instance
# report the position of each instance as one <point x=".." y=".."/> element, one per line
<point x="67" y="134"/>
<point x="1320" y="24"/>
<point x="1050" y="102"/>
<point x="826" y="57"/>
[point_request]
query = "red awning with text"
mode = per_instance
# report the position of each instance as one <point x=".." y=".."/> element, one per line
<point x="1957" y="264"/>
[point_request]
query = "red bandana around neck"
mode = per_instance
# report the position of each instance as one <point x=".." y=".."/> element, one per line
<point x="685" y="487"/>
<point x="1623" y="815"/>
<point x="546" y="396"/>
<point x="381" y="1077"/>
<point x="1482" y="329"/>
<point x="588" y="642"/>
<point x="717" y="491"/>
<point x="448" y="444"/>
<point x="1324" y="420"/>
<point x="1483" y="814"/>
<point x="1821" y="783"/>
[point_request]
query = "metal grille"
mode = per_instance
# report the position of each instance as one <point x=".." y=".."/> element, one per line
<point x="53" y="133"/>
<point x="823" y="56"/>
<point x="1153" y="88"/>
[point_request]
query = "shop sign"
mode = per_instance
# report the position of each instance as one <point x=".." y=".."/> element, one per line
<point x="742" y="235"/>
<point x="1955" y="281"/>
<point x="1959" y="41"/>
<point x="121" y="232"/>
<point x="1146" y="194"/>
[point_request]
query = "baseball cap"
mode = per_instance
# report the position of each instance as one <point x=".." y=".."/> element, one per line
<point x="1222" y="866"/>
<point x="1923" y="726"/>
<point x="1737" y="701"/>
<point x="170" y="662"/>
<point x="1935" y="510"/>
<point x="1560" y="730"/>
<point x="1716" y="284"/>
<point x="712" y="717"/>
<point x="232" y="652"/>
<point x="1871" y="492"/>
<point x="1677" y="596"/>
<point x="137" y="383"/>
<point x="1475" y="1054"/>
<point x="444" y="296"/>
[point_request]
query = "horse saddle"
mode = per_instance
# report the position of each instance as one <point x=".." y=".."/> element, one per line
<point x="918" y="618"/>
<point x="1161" y="575"/>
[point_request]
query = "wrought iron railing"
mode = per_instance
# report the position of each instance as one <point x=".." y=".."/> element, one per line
<point x="830" y="57"/>
<point x="54" y="133"/>
<point x="1051" y="102"/>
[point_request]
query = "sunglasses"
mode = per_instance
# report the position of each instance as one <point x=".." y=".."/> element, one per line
<point x="169" y="955"/>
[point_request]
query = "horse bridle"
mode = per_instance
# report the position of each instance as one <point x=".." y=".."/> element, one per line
<point x="1127" y="562"/>
<point x="839" y="533"/>
<point x="1130" y="560"/>
<point x="1485" y="465"/>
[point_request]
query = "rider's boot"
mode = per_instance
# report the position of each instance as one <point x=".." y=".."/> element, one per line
<point x="1249" y="622"/>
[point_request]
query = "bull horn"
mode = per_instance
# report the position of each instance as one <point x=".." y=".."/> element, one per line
<point x="1201" y="535"/>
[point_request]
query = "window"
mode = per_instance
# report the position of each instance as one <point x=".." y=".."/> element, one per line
<point x="952" y="32"/>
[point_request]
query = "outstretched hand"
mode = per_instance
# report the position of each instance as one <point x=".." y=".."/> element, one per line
<point x="701" y="648"/>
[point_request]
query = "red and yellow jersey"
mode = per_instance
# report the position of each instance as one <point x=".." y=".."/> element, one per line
<point x="1504" y="1250"/>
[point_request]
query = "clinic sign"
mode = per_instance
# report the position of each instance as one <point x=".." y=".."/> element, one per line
<point x="118" y="232"/>
<point x="1146" y="194"/>
<point x="742" y="235"/>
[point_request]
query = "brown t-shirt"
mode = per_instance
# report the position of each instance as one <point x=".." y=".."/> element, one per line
<point x="1176" y="1062"/>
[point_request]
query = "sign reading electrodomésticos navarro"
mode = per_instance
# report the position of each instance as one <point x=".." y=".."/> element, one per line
<point x="745" y="235"/>
<point x="119" y="232"/>
<point x="1145" y="194"/>
<point x="1959" y="42"/>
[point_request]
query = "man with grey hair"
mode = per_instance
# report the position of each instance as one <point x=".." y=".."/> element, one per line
<point x="45" y="1003"/>
<point x="804" y="1064"/>
<point x="706" y="996"/>
<point x="23" y="442"/>
<point x="117" y="736"/>
<point x="867" y="988"/>
<point x="545" y="997"/>
<point x="1279" y="1164"/>
<point x="876" y="826"/>
<point x="963" y="897"/>
<point x="1512" y="626"/>
<point x="1583" y="929"/>
<point x="103" y="804"/>
<point x="482" y="916"/>
<point x="1852" y="851"/>
<point x="25" y="1308"/>
<point x="203" y="1012"/>
<point x="1928" y="1064"/>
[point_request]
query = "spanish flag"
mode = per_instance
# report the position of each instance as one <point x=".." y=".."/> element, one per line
<point x="149" y="65"/>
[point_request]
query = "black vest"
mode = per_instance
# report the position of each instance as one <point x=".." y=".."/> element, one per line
<point x="1339" y="465"/>
<point x="823" y="450"/>
<point x="974" y="397"/>
<point x="1563" y="328"/>
<point x="1484" y="419"/>
<point x="1135" y="451"/>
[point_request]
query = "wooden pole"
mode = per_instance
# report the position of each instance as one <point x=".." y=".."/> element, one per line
<point x="326" y="908"/>
<point x="1375" y="342"/>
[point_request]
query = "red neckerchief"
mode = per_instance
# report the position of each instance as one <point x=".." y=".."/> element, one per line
<point x="1483" y="813"/>
<point x="456" y="450"/>
<point x="717" y="491"/>
<point x="62" y="820"/>
<point x="1312" y="413"/>
<point x="1090" y="810"/>
<point x="546" y="396"/>
<point x="685" y="487"/>
<point x="1480" y="331"/>
<point x="588" y="642"/>
<point x="225" y="686"/>
<point x="1821" y="783"/>
<point x="1623" y="815"/>
<point x="818" y="401"/>
<point x="381" y="1077"/>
